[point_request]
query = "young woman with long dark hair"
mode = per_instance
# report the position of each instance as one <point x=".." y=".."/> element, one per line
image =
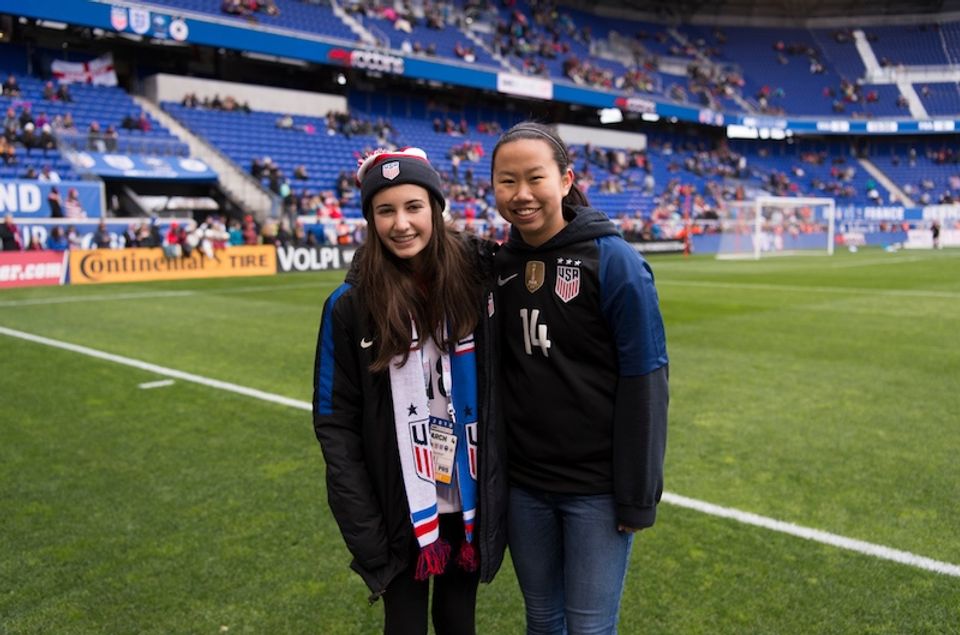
<point x="404" y="404"/>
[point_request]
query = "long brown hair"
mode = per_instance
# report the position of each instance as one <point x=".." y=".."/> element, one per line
<point x="538" y="131"/>
<point x="445" y="291"/>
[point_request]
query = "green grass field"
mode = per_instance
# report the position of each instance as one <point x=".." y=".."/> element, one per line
<point x="823" y="392"/>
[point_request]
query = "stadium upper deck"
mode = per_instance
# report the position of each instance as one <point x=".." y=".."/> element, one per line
<point x="797" y="71"/>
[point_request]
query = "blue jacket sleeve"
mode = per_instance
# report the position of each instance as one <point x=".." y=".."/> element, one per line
<point x="338" y="424"/>
<point x="632" y="310"/>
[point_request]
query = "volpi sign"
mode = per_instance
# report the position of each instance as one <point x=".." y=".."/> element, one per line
<point x="312" y="258"/>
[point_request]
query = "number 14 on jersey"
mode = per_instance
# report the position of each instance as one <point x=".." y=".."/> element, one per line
<point x="534" y="334"/>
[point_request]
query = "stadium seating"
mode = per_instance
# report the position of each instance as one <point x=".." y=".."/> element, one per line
<point x="444" y="40"/>
<point x="107" y="105"/>
<point x="950" y="35"/>
<point x="319" y="19"/>
<point x="307" y="17"/>
<point x="783" y="78"/>
<point x="910" y="45"/>
<point x="778" y="68"/>
<point x="940" y="99"/>
<point x="840" y="51"/>
<point x="932" y="174"/>
<point x="770" y="167"/>
<point x="243" y="137"/>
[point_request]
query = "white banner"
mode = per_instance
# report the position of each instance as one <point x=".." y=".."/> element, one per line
<point x="525" y="86"/>
<point x="98" y="71"/>
<point x="923" y="238"/>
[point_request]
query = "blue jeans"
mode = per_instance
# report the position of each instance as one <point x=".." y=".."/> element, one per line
<point x="571" y="561"/>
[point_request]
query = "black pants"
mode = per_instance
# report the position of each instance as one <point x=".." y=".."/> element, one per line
<point x="454" y="593"/>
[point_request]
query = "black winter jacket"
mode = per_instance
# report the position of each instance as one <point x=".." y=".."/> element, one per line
<point x="353" y="420"/>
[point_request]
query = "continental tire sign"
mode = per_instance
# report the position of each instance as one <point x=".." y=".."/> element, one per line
<point x="313" y="258"/>
<point x="98" y="266"/>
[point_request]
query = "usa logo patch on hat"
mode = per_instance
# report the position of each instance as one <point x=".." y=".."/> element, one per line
<point x="390" y="170"/>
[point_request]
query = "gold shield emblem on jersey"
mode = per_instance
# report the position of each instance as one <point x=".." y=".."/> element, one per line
<point x="533" y="275"/>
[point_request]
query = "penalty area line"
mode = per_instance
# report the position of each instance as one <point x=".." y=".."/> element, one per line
<point x="807" y="533"/>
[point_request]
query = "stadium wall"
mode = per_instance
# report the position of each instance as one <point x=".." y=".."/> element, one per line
<point x="165" y="87"/>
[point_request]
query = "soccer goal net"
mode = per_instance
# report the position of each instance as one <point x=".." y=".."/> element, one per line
<point x="774" y="225"/>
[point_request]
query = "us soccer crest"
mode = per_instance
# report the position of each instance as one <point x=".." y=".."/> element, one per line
<point x="568" y="279"/>
<point x="390" y="170"/>
<point x="118" y="18"/>
<point x="420" y="444"/>
<point x="533" y="275"/>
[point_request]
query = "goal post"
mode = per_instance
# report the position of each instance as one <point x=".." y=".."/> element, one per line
<point x="777" y="225"/>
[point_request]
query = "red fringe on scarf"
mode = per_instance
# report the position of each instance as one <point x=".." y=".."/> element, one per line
<point x="467" y="558"/>
<point x="433" y="560"/>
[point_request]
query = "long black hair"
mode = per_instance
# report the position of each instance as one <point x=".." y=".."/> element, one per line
<point x="445" y="293"/>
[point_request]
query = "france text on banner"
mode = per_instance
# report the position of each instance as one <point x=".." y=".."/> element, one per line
<point x="130" y="265"/>
<point x="31" y="268"/>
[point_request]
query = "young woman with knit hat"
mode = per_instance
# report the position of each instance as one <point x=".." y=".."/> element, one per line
<point x="404" y="403"/>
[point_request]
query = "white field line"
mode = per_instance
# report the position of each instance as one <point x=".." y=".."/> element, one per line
<point x="906" y="293"/>
<point x="146" y="295"/>
<point x="866" y="548"/>
<point x="269" y="288"/>
<point x="96" y="298"/>
<point x="844" y="264"/>
<point x="769" y="264"/>
<point x="859" y="546"/>
<point x="949" y="295"/>
<point x="163" y="383"/>
<point x="159" y="370"/>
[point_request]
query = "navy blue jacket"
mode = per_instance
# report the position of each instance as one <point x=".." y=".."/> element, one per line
<point x="584" y="366"/>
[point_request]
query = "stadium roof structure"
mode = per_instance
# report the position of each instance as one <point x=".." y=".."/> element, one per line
<point x="781" y="9"/>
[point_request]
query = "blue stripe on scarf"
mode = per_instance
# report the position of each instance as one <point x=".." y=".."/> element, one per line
<point x="423" y="514"/>
<point x="463" y="368"/>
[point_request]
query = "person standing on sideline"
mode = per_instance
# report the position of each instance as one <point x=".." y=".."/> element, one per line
<point x="9" y="235"/>
<point x="584" y="388"/>
<point x="404" y="404"/>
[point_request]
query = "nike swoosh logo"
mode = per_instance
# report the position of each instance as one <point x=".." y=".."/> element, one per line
<point x="365" y="343"/>
<point x="503" y="281"/>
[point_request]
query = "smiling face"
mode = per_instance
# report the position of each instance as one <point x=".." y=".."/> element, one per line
<point x="403" y="220"/>
<point x="529" y="188"/>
